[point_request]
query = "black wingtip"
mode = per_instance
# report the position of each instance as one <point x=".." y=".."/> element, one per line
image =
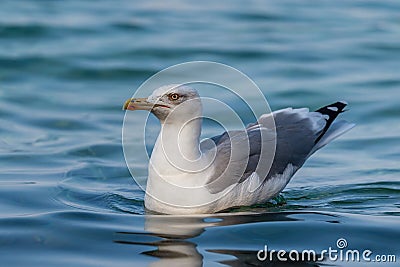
<point x="332" y="111"/>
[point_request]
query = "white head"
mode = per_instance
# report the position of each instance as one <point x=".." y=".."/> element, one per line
<point x="179" y="109"/>
<point x="170" y="103"/>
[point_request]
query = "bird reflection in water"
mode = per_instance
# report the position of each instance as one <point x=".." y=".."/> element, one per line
<point x="171" y="236"/>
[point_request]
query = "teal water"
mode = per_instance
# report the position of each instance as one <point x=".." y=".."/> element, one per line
<point x="66" y="195"/>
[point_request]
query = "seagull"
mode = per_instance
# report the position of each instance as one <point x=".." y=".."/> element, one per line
<point x="237" y="168"/>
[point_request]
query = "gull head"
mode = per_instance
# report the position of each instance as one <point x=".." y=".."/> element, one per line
<point x="170" y="103"/>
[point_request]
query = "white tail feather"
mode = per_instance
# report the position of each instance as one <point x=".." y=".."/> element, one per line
<point x="335" y="130"/>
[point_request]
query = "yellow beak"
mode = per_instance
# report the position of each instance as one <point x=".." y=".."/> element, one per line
<point x="137" y="104"/>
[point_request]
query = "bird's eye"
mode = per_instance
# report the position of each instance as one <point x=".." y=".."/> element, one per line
<point x="173" y="96"/>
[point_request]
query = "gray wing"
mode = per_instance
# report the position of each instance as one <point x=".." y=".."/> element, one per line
<point x="296" y="132"/>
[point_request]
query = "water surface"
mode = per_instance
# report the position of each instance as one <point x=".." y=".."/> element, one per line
<point x="66" y="196"/>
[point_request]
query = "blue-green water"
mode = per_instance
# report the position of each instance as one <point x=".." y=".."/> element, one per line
<point x="66" y="196"/>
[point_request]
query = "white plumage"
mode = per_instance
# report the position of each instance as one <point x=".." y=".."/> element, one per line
<point x="239" y="168"/>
